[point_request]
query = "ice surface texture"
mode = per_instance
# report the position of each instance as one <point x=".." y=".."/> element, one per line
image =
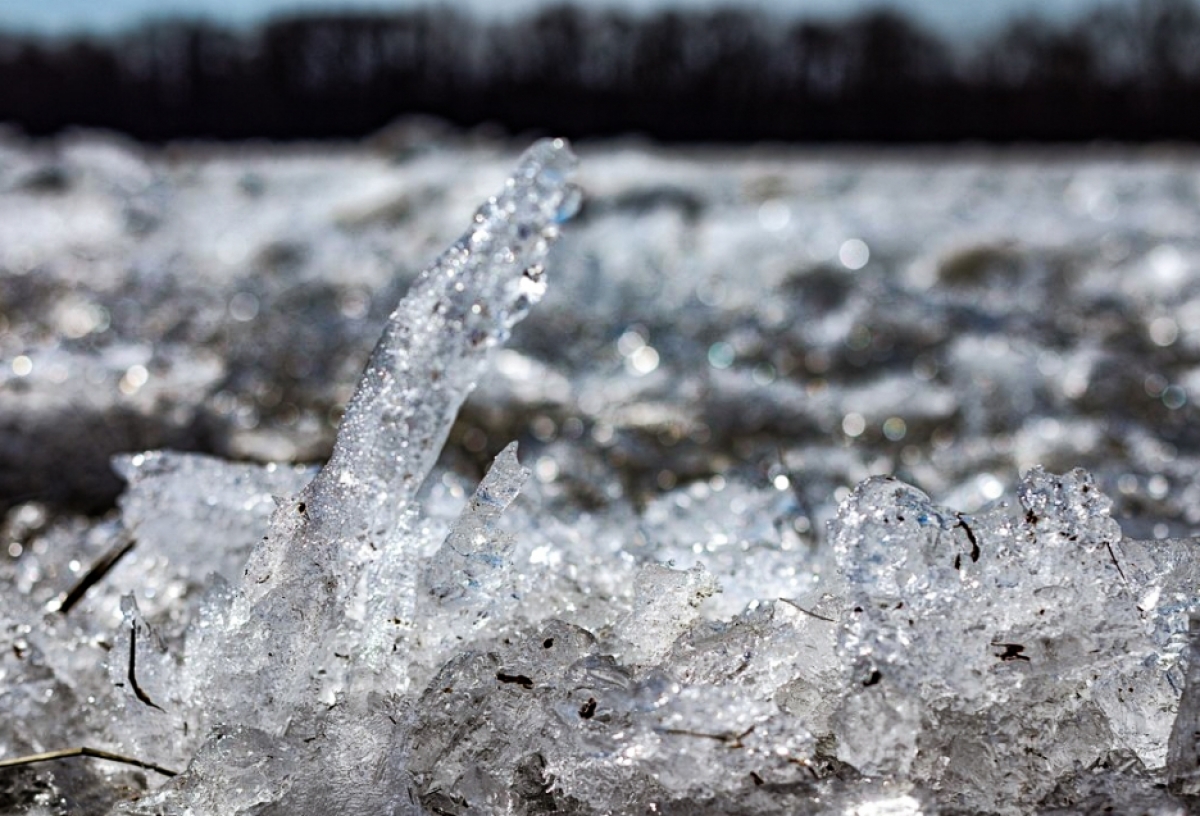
<point x="387" y="640"/>
<point x="1019" y="308"/>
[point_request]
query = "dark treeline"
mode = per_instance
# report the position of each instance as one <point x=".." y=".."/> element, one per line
<point x="1126" y="73"/>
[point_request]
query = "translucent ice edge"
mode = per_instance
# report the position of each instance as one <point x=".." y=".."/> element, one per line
<point x="327" y="598"/>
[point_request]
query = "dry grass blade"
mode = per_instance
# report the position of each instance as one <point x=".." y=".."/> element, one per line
<point x="808" y="612"/>
<point x="93" y="576"/>
<point x="84" y="751"/>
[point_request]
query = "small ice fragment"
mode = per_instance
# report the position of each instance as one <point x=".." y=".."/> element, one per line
<point x="1183" y="748"/>
<point x="471" y="560"/>
<point x="665" y="603"/>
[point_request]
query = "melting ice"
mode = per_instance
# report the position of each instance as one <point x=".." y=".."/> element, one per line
<point x="383" y="637"/>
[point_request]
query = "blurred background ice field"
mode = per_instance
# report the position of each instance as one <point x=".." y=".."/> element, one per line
<point x="805" y="317"/>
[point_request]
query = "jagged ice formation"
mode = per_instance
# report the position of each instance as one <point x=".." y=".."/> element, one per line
<point x="365" y="646"/>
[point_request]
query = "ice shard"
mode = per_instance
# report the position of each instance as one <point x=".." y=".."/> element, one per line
<point x="466" y="578"/>
<point x="299" y="657"/>
<point x="1183" y="752"/>
<point x="340" y="556"/>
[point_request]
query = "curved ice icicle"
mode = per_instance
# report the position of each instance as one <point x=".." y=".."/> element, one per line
<point x="337" y="557"/>
<point x="435" y="342"/>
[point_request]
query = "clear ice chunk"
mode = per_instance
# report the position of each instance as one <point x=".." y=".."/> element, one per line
<point x="323" y="615"/>
<point x="1183" y="752"/>
<point x="961" y="627"/>
<point x="469" y="560"/>
<point x="470" y="577"/>
<point x="341" y="555"/>
<point x="666" y="603"/>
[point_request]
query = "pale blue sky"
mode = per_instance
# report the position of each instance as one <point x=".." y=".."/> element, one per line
<point x="964" y="17"/>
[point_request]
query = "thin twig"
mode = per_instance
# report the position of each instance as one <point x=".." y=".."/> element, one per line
<point x="808" y="612"/>
<point x="137" y="690"/>
<point x="1116" y="563"/>
<point x="63" y="603"/>
<point x="84" y="751"/>
<point x="683" y="732"/>
<point x="732" y="740"/>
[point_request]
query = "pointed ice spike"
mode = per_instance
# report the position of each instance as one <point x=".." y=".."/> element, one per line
<point x="499" y="487"/>
<point x="435" y="343"/>
<point x="336" y="557"/>
<point x="1183" y="748"/>
<point x="473" y="552"/>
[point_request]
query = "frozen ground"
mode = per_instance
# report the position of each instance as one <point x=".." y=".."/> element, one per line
<point x="730" y="343"/>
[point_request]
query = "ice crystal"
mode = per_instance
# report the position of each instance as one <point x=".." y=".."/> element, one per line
<point x="324" y="612"/>
<point x="471" y="575"/>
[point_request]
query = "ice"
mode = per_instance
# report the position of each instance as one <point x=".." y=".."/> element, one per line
<point x="469" y="580"/>
<point x="666" y="603"/>
<point x="191" y="516"/>
<point x="1048" y="631"/>
<point x="1183" y="757"/>
<point x="341" y="556"/>
<point x="806" y="540"/>
<point x="322" y="616"/>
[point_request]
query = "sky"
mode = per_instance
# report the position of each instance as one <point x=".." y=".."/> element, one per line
<point x="962" y="18"/>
